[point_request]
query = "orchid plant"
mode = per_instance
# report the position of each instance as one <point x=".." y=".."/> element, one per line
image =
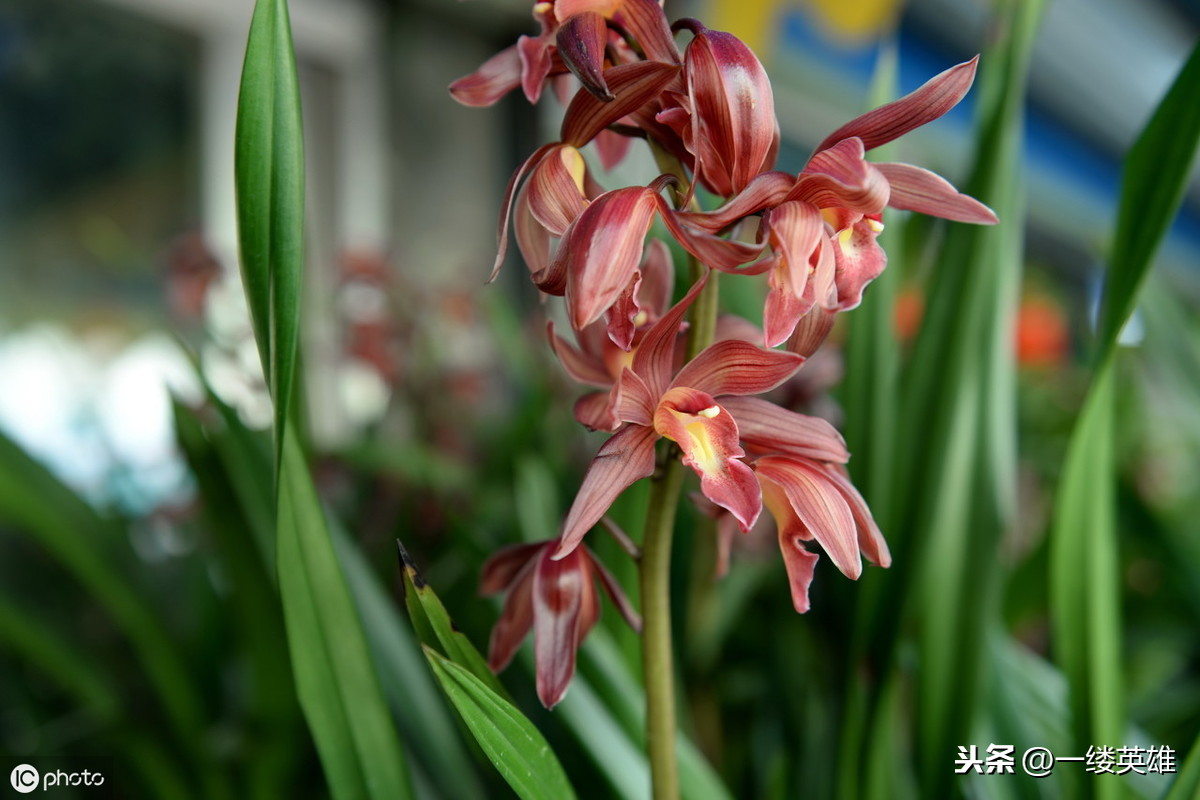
<point x="675" y="386"/>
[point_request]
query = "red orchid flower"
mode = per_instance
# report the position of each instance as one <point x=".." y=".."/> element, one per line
<point x="557" y="600"/>
<point x="811" y="499"/>
<point x="725" y="115"/>
<point x="798" y="461"/>
<point x="829" y="215"/>
<point x="685" y="409"/>
<point x="555" y="187"/>
<point x="575" y="35"/>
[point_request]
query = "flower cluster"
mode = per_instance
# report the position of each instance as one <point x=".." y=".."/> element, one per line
<point x="708" y="113"/>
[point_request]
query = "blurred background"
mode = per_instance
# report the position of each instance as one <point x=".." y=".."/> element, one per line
<point x="433" y="406"/>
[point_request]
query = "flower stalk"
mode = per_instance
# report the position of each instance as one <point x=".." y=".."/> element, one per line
<point x="657" y="654"/>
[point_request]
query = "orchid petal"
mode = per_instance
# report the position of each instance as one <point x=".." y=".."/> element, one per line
<point x="506" y="207"/>
<point x="860" y="260"/>
<point x="838" y="177"/>
<point x="611" y="147"/>
<point x="733" y="111"/>
<point x="632" y="86"/>
<point x="800" y="563"/>
<point x="602" y="248"/>
<point x="782" y="311"/>
<point x="708" y="437"/>
<point x="886" y="123"/>
<point x="735" y="367"/>
<point x="658" y="279"/>
<point x="615" y="593"/>
<point x="870" y="539"/>
<point x="516" y="619"/>
<point x="811" y="331"/>
<point x="495" y="78"/>
<point x="559" y="587"/>
<point x="536" y="61"/>
<point x="764" y="191"/>
<point x="581" y="367"/>
<point x="794" y="230"/>
<point x="595" y="412"/>
<point x="625" y="458"/>
<point x="770" y="428"/>
<point x="726" y="255"/>
<point x="917" y="189"/>
<point x="655" y="356"/>
<point x="581" y="40"/>
<point x="501" y="569"/>
<point x="555" y="189"/>
<point x="565" y="9"/>
<point x="731" y="326"/>
<point x="646" y="23"/>
<point x="819" y="506"/>
<point x="533" y="239"/>
<point x="631" y="399"/>
<point x="623" y="313"/>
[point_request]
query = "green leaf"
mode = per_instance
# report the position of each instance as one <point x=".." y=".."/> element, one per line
<point x="1155" y="175"/>
<point x="425" y="721"/>
<point x="337" y="685"/>
<point x="511" y="741"/>
<point x="35" y="504"/>
<point x="57" y="656"/>
<point x="436" y="630"/>
<point x="953" y="487"/>
<point x="1186" y="785"/>
<point x="1085" y="584"/>
<point x="269" y="177"/>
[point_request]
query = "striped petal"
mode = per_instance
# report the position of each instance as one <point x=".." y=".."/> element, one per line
<point x="839" y="177"/>
<point x="917" y="189"/>
<point x="818" y="506"/>
<point x="734" y="367"/>
<point x="768" y="428"/>
<point x="733" y="125"/>
<point x="495" y="78"/>
<point x="632" y="86"/>
<point x="886" y="123"/>
<point x="601" y="250"/>
<point x="516" y="619"/>
<point x="624" y="459"/>
<point x="581" y="40"/>
<point x="708" y="437"/>
<point x="559" y="603"/>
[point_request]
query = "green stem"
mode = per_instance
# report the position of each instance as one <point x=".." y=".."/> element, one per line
<point x="657" y="656"/>
<point x="657" y="653"/>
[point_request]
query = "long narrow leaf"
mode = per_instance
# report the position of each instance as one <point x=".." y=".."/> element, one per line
<point x="269" y="174"/>
<point x="1083" y="546"/>
<point x="511" y="741"/>
<point x="1153" y="182"/>
<point x="433" y="626"/>
<point x="423" y="718"/>
<point x="338" y="688"/>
